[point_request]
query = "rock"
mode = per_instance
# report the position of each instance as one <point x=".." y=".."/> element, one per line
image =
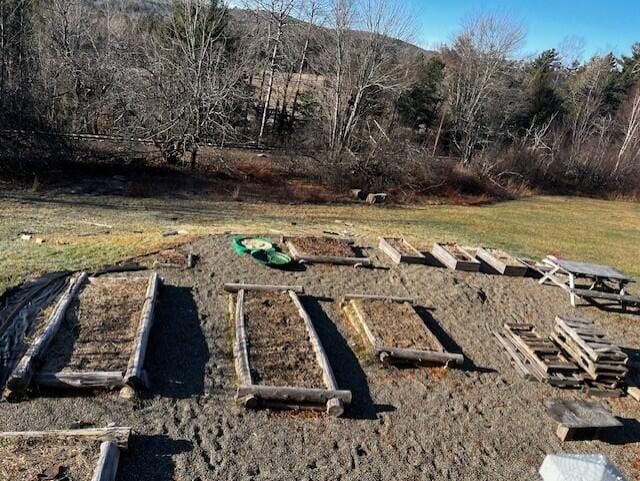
<point x="26" y="237"/>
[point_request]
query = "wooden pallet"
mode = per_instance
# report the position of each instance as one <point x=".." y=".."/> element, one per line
<point x="253" y="395"/>
<point x="396" y="256"/>
<point x="603" y="362"/>
<point x="537" y="357"/>
<point x="111" y="440"/>
<point x="389" y="354"/>
<point x="455" y="257"/>
<point x="502" y="262"/>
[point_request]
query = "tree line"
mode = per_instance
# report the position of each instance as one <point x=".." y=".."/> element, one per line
<point x="336" y="78"/>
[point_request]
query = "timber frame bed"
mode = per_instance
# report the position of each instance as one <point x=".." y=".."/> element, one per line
<point x="252" y="395"/>
<point x="388" y="354"/>
<point x="133" y="378"/>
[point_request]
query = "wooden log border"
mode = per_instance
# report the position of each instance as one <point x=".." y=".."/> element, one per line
<point x="388" y="353"/>
<point x="440" y="252"/>
<point x="374" y="297"/>
<point x="135" y="375"/>
<point x="396" y="256"/>
<point x="117" y="435"/>
<point x="252" y="395"/>
<point x="233" y="288"/>
<point x="311" y="259"/>
<point x="515" y="268"/>
<point x="111" y="441"/>
<point x="20" y="378"/>
<point x="80" y="380"/>
<point x="107" y="463"/>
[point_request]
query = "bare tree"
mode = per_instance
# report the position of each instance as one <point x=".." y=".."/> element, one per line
<point x="360" y="64"/>
<point x="630" y="147"/>
<point x="586" y="97"/>
<point x="477" y="59"/>
<point x="190" y="85"/>
<point x="278" y="17"/>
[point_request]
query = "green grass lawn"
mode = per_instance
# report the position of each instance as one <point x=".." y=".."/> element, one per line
<point x="577" y="228"/>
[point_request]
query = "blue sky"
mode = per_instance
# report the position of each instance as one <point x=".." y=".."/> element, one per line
<point x="600" y="25"/>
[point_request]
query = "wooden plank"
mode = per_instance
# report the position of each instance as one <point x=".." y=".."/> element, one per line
<point x="134" y="375"/>
<point x="513" y="267"/>
<point x="117" y="435"/>
<point x="231" y="287"/>
<point x="374" y="297"/>
<point x="373" y="340"/>
<point x="334" y="406"/>
<point x="80" y="380"/>
<point x="107" y="463"/>
<point x="440" y="252"/>
<point x="240" y="352"/>
<point x="21" y="376"/>
<point x="396" y="256"/>
<point x="518" y="359"/>
<point x="296" y="394"/>
<point x="311" y="259"/>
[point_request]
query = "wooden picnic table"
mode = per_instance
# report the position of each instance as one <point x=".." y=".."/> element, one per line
<point x="605" y="280"/>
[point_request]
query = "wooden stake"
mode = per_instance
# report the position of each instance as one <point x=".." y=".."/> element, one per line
<point x="108" y="462"/>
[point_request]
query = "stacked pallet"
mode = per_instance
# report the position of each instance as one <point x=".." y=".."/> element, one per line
<point x="604" y="363"/>
<point x="536" y="357"/>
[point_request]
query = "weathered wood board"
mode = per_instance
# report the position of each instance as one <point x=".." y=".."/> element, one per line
<point x="252" y="394"/>
<point x="455" y="257"/>
<point x="429" y="348"/>
<point x="406" y="254"/>
<point x="503" y="262"/>
<point x="300" y="255"/>
<point x="580" y="420"/>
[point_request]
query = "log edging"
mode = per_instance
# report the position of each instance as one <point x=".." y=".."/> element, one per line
<point x="135" y="375"/>
<point x="311" y="259"/>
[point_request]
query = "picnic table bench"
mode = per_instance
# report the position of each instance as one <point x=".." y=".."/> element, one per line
<point x="606" y="283"/>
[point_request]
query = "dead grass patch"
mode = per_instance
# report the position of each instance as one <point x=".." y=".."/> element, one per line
<point x="98" y="332"/>
<point x="396" y="324"/>
<point x="33" y="460"/>
<point x="280" y="352"/>
<point x="323" y="246"/>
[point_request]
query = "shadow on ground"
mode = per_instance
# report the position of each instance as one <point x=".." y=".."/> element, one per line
<point x="346" y="367"/>
<point x="150" y="457"/>
<point x="178" y="350"/>
<point x="447" y="342"/>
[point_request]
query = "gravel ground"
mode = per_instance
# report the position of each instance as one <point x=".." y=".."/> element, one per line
<point x="481" y="422"/>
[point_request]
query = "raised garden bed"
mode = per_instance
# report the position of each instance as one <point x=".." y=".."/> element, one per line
<point x="280" y="361"/>
<point x="503" y="262"/>
<point x="455" y="257"/>
<point x="96" y="337"/>
<point x="325" y="250"/>
<point x="78" y="455"/>
<point x="399" y="250"/>
<point x="394" y="330"/>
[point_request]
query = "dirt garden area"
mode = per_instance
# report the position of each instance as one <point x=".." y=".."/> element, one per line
<point x="482" y="421"/>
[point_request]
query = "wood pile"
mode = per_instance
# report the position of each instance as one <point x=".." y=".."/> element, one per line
<point x="536" y="357"/>
<point x="603" y="362"/>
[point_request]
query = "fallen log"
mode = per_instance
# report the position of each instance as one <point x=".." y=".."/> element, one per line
<point x="107" y="463"/>
<point x="117" y="435"/>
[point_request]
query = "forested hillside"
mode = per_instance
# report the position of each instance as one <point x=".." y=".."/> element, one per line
<point x="337" y="79"/>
